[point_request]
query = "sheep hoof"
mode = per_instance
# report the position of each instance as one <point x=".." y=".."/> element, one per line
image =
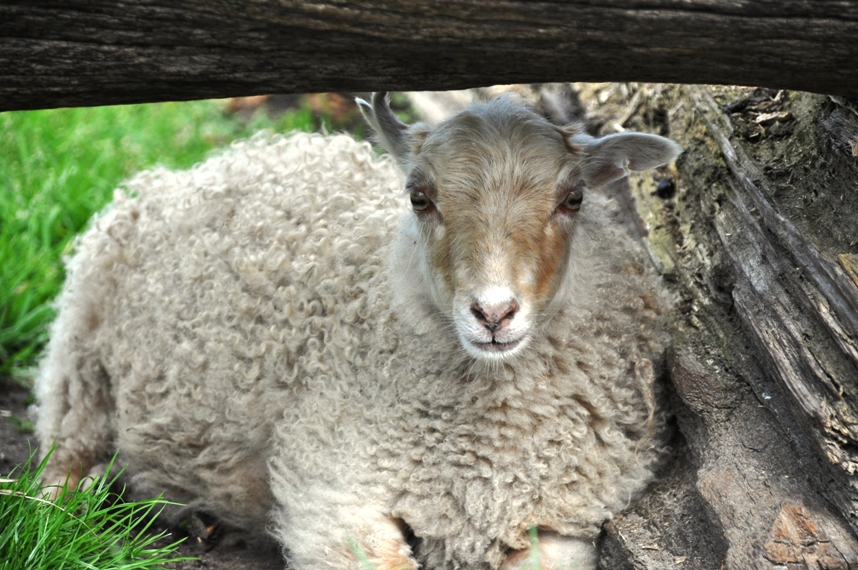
<point x="56" y="483"/>
<point x="204" y="530"/>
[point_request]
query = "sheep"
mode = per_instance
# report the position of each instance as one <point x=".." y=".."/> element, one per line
<point x="278" y="339"/>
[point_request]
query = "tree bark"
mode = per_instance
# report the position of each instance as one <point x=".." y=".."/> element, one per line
<point x="96" y="52"/>
<point x="760" y="243"/>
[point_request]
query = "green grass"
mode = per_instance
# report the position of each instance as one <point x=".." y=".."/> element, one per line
<point x="80" y="529"/>
<point x="58" y="167"/>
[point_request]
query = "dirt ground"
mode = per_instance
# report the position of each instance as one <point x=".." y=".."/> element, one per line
<point x="16" y="441"/>
<point x="217" y="553"/>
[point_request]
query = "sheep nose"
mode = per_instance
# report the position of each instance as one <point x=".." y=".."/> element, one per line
<point x="494" y="317"/>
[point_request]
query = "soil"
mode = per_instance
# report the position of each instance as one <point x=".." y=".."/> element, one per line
<point x="16" y="438"/>
<point x="215" y="551"/>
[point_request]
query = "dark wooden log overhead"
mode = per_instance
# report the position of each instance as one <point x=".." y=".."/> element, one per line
<point x="97" y="52"/>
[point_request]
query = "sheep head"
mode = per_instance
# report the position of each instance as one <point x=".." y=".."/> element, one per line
<point x="496" y="192"/>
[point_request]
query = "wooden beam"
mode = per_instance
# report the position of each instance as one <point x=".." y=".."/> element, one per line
<point x="97" y="52"/>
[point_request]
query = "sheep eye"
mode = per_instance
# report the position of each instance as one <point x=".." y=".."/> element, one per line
<point x="572" y="201"/>
<point x="420" y="202"/>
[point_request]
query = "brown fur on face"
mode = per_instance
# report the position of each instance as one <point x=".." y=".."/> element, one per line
<point x="497" y="223"/>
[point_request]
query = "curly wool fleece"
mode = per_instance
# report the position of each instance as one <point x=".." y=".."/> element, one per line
<point x="233" y="331"/>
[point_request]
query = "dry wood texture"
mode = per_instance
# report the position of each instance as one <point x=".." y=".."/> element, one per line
<point x="760" y="242"/>
<point x="95" y="52"/>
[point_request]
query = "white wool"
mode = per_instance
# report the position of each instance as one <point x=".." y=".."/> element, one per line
<point x="232" y="331"/>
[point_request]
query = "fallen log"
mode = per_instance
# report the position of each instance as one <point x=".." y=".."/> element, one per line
<point x="760" y="242"/>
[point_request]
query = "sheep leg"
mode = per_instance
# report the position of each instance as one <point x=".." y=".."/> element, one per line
<point x="74" y="417"/>
<point x="385" y="547"/>
<point x="554" y="552"/>
<point x="324" y="528"/>
<point x="375" y="542"/>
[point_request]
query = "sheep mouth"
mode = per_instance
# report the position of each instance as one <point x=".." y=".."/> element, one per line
<point x="498" y="347"/>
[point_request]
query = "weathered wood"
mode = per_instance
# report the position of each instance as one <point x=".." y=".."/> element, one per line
<point x="96" y="52"/>
<point x="801" y="310"/>
<point x="764" y="369"/>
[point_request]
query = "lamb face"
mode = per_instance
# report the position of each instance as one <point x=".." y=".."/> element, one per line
<point x="497" y="192"/>
<point x="495" y="222"/>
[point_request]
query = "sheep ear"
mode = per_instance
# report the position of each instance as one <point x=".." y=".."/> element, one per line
<point x="612" y="157"/>
<point x="392" y="133"/>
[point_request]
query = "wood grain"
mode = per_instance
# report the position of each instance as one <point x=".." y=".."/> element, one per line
<point x="94" y="52"/>
<point x="764" y="369"/>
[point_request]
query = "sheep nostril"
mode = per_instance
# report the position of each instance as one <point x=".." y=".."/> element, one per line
<point x="478" y="313"/>
<point x="494" y="317"/>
